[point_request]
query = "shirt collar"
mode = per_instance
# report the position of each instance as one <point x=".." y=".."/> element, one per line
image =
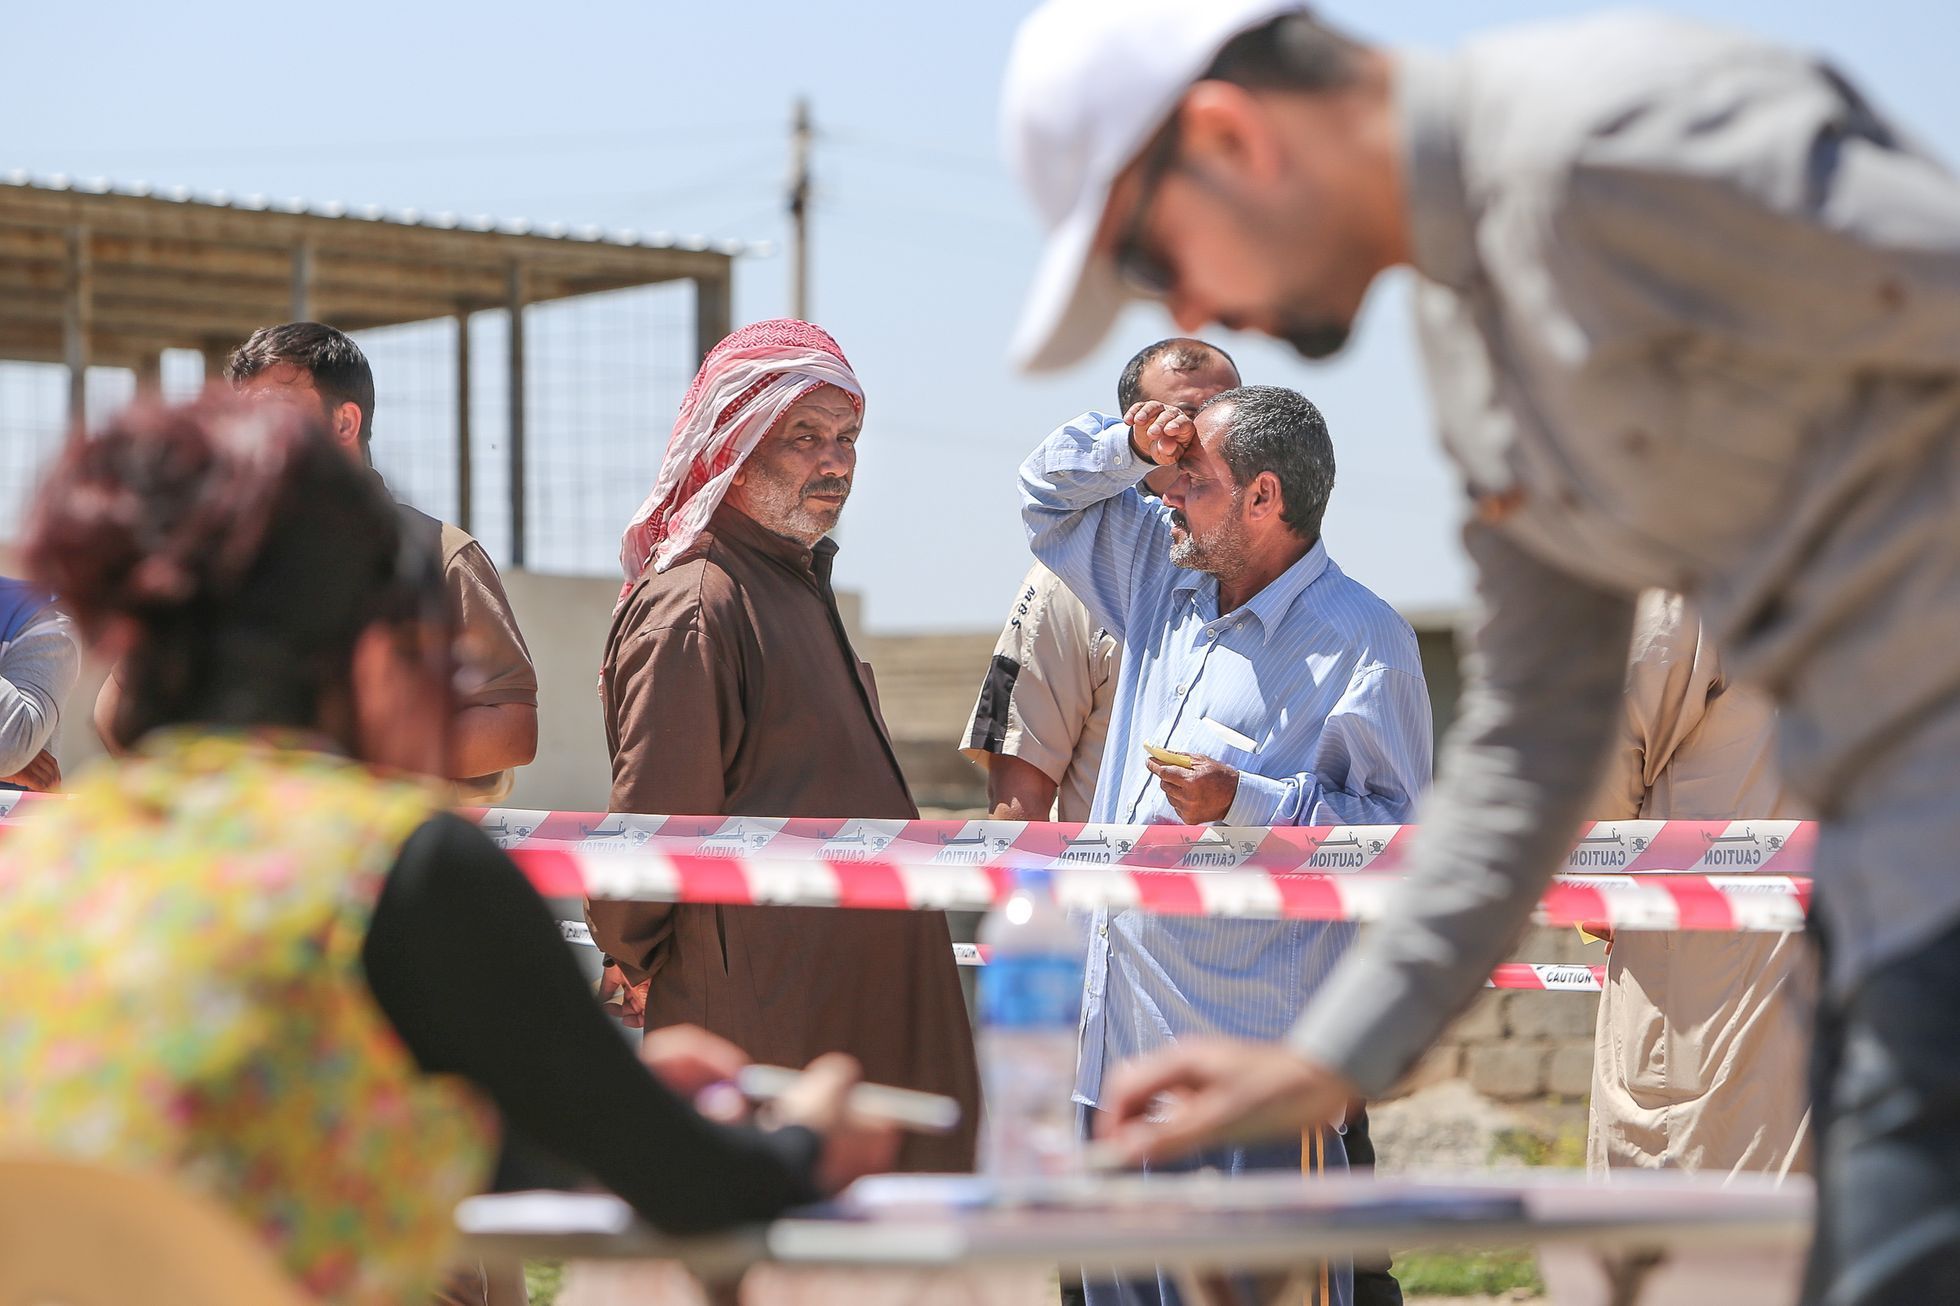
<point x="1269" y="606"/>
<point x="732" y="524"/>
<point x="1428" y="96"/>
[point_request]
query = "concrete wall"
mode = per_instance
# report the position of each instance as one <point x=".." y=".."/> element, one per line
<point x="1520" y="1046"/>
<point x="564" y="620"/>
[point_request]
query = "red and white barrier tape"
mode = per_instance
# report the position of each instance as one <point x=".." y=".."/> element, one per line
<point x="1547" y="977"/>
<point x="1650" y="901"/>
<point x="1666" y="875"/>
<point x="1613" y="847"/>
<point x="1539" y="976"/>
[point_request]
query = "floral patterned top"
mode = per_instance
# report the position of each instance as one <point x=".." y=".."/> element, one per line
<point x="184" y="993"/>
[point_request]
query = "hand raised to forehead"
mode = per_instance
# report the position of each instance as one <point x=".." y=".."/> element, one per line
<point x="1159" y="433"/>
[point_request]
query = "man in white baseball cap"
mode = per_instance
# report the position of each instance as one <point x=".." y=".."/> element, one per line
<point x="1690" y="309"/>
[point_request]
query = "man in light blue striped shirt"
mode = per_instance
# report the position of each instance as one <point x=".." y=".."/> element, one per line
<point x="1296" y="692"/>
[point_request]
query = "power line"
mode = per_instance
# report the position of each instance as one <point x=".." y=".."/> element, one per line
<point x="921" y="153"/>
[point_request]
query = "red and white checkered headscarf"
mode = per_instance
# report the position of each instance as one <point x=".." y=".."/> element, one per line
<point x="745" y="385"/>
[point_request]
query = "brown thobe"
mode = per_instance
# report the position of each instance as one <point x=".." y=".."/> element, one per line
<point x="1702" y="1038"/>
<point x="730" y="688"/>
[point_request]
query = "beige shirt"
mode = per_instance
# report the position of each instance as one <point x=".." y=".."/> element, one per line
<point x="1702" y="1038"/>
<point x="1047" y="695"/>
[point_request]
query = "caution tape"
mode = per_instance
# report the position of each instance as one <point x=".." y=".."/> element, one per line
<point x="1612" y="847"/>
<point x="1533" y="975"/>
<point x="1542" y="976"/>
<point x="1548" y="977"/>
<point x="1661" y="875"/>
<point x="1650" y="901"/>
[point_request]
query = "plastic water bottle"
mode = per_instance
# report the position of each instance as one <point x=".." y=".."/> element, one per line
<point x="1030" y="1005"/>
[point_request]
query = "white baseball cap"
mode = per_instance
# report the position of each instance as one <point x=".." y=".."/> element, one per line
<point x="1088" y="84"/>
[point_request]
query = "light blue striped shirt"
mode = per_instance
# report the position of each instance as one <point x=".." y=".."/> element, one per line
<point x="1317" y="670"/>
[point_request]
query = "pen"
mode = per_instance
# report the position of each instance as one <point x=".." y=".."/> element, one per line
<point x="925" y="1113"/>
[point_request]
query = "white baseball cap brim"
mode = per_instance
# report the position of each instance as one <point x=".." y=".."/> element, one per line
<point x="1070" y="136"/>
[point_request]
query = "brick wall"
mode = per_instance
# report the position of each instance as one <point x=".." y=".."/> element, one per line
<point x="1521" y="1046"/>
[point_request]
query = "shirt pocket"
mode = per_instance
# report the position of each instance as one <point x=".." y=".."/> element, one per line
<point x="1223" y="735"/>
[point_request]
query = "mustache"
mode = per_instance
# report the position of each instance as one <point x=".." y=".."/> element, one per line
<point x="827" y="485"/>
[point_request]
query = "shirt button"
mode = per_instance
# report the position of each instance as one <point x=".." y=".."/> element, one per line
<point x="1180" y="691"/>
<point x="1103" y="929"/>
<point x="1211" y="634"/>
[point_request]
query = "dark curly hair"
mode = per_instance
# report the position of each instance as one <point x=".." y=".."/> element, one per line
<point x="236" y="551"/>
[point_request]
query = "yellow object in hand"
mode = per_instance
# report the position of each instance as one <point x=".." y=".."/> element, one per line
<point x="1168" y="758"/>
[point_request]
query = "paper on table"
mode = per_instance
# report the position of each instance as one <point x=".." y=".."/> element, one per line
<point x="544" y="1213"/>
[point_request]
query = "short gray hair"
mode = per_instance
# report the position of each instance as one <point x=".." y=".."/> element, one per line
<point x="1280" y="431"/>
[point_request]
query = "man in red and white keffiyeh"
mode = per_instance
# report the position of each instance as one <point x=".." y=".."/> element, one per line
<point x="729" y="687"/>
<point x="745" y="386"/>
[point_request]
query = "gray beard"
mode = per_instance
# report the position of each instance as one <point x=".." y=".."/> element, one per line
<point x="780" y="511"/>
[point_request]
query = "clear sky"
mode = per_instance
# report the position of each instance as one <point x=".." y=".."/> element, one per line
<point x="670" y="116"/>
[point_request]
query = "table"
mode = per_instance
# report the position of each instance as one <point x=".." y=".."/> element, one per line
<point x="1200" y="1225"/>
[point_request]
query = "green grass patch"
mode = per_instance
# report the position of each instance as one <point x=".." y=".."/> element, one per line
<point x="542" y="1280"/>
<point x="1565" y="1150"/>
<point x="1468" y="1273"/>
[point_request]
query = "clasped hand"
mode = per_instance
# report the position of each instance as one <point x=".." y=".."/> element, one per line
<point x="1200" y="793"/>
<point x="1160" y="433"/>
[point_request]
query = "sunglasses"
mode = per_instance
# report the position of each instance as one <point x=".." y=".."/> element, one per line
<point x="1143" y="269"/>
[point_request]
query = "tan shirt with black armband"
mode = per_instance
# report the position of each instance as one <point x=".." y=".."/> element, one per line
<point x="1048" y="691"/>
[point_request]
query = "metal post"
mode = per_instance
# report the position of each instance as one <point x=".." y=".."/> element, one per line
<point x="77" y="317"/>
<point x="714" y="312"/>
<point x="217" y="353"/>
<point x="302" y="307"/>
<point x="799" y="212"/>
<point x="516" y="308"/>
<point x="463" y="477"/>
<point x="149" y="374"/>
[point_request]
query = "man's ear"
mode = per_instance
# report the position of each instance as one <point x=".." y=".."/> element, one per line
<point x="346" y="426"/>
<point x="1232" y="129"/>
<point x="1263" y="498"/>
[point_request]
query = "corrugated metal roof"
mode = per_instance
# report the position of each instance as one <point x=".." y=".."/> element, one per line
<point x="255" y="203"/>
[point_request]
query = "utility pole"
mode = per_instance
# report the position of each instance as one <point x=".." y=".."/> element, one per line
<point x="799" y="211"/>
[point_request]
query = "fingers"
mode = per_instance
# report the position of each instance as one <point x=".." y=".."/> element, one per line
<point x="1224" y="1091"/>
<point x="1137" y="1086"/>
<point x="1158" y="431"/>
<point x="41" y="775"/>
<point x="1195" y="1122"/>
<point x="818" y="1099"/>
<point x="688" y="1059"/>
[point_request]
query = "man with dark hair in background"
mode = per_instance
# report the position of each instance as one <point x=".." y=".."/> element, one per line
<point x="1043" y="713"/>
<point x="495" y="729"/>
<point x="1259" y="686"/>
